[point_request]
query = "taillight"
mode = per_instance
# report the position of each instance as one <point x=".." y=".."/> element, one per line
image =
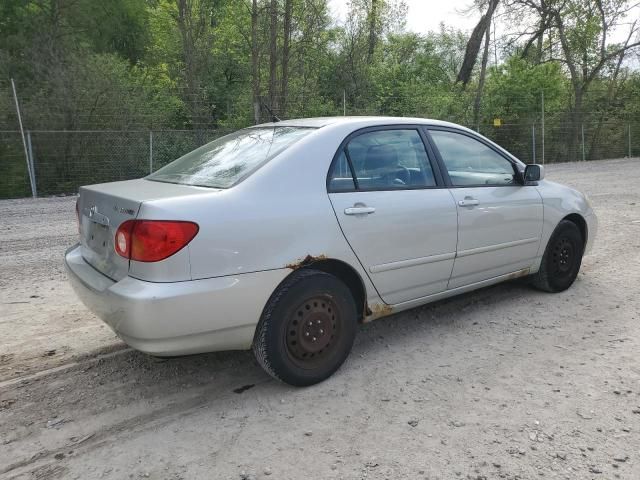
<point x="123" y="238"/>
<point x="153" y="240"/>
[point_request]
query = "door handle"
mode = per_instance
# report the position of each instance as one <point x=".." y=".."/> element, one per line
<point x="359" y="210"/>
<point x="468" y="202"/>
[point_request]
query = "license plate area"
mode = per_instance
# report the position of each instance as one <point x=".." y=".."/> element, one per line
<point x="97" y="237"/>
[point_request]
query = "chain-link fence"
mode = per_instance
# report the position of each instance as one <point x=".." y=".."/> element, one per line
<point x="564" y="142"/>
<point x="59" y="162"/>
<point x="62" y="161"/>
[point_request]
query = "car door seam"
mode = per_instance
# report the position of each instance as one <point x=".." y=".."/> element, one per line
<point x="455" y="252"/>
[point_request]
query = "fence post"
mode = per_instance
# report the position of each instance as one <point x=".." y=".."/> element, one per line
<point x="344" y="103"/>
<point x="32" y="170"/>
<point x="24" y="141"/>
<point x="533" y="141"/>
<point x="583" y="153"/>
<point x="150" y="152"/>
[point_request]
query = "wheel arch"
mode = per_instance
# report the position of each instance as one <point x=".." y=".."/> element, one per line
<point x="341" y="270"/>
<point x="581" y="223"/>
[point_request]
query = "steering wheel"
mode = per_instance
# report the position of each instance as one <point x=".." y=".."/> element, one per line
<point x="401" y="176"/>
<point x="404" y="175"/>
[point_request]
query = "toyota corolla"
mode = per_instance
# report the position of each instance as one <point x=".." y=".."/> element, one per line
<point x="282" y="237"/>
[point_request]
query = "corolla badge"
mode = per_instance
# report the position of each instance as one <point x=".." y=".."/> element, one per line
<point x="127" y="211"/>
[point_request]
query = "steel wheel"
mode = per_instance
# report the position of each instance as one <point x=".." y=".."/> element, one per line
<point x="307" y="328"/>
<point x="312" y="330"/>
<point x="562" y="257"/>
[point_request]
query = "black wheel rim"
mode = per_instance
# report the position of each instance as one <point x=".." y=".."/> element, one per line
<point x="312" y="331"/>
<point x="563" y="256"/>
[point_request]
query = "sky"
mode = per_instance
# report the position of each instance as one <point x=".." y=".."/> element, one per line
<point x="426" y="15"/>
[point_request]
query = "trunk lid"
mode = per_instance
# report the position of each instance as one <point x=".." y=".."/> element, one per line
<point x="103" y="207"/>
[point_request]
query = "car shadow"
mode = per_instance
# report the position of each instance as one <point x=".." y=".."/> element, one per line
<point x="241" y="372"/>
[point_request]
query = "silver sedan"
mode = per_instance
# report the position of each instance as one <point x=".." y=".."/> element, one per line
<point x="283" y="237"/>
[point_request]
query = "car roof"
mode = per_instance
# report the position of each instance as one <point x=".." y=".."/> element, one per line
<point x="317" y="122"/>
<point x="372" y="121"/>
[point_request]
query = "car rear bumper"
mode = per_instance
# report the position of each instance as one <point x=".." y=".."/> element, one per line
<point x="176" y="318"/>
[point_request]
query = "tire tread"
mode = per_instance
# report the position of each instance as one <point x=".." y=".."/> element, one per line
<point x="541" y="279"/>
<point x="259" y="346"/>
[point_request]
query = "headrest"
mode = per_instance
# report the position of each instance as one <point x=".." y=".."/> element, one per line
<point x="381" y="157"/>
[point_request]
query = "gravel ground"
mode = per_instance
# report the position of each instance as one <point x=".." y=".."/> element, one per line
<point x="506" y="382"/>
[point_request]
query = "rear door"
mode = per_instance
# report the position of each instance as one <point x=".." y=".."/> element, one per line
<point x="394" y="211"/>
<point x="499" y="220"/>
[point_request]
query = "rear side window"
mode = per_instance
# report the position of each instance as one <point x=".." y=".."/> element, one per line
<point x="341" y="179"/>
<point x="382" y="160"/>
<point x="229" y="159"/>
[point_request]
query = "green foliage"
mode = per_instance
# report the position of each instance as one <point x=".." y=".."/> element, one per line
<point x="513" y="90"/>
<point x="141" y="65"/>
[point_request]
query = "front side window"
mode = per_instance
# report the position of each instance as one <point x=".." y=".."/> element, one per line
<point x="383" y="160"/>
<point x="470" y="162"/>
<point x="227" y="160"/>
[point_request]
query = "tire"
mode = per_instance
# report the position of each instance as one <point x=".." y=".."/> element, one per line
<point x="561" y="260"/>
<point x="307" y="328"/>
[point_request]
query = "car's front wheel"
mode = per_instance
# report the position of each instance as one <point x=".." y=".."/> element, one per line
<point x="561" y="260"/>
<point x="307" y="328"/>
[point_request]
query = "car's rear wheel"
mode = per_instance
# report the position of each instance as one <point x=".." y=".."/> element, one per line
<point x="307" y="328"/>
<point x="561" y="260"/>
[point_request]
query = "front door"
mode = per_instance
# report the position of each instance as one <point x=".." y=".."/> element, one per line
<point x="395" y="212"/>
<point x="499" y="220"/>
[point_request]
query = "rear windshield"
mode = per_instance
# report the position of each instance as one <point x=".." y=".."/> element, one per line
<point x="227" y="160"/>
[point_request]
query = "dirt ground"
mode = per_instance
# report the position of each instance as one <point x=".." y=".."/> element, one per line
<point x="506" y="382"/>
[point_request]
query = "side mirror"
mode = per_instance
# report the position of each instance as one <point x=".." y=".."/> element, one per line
<point x="533" y="173"/>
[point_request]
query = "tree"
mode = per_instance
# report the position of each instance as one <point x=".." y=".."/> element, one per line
<point x="373" y="28"/>
<point x="193" y="18"/>
<point x="481" y="80"/>
<point x="582" y="28"/>
<point x="223" y="64"/>
<point x="475" y="42"/>
<point x="286" y="50"/>
<point x="255" y="67"/>
<point x="273" y="56"/>
<point x="368" y="22"/>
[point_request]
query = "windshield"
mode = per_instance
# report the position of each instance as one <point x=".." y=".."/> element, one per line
<point x="227" y="160"/>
